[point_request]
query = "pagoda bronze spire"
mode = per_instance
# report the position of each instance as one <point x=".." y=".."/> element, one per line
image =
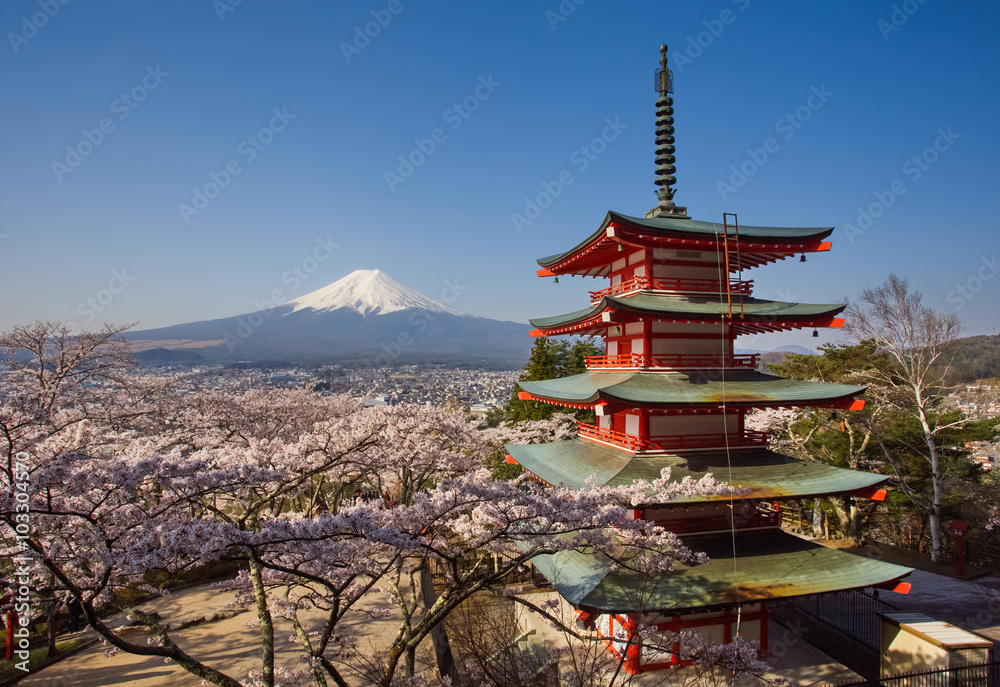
<point x="665" y="150"/>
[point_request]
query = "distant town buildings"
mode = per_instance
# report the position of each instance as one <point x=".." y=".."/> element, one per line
<point x="479" y="391"/>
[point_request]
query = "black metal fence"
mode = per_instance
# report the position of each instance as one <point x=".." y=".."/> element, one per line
<point x="979" y="675"/>
<point x="853" y="613"/>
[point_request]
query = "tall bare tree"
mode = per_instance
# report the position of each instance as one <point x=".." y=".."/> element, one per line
<point x="919" y="339"/>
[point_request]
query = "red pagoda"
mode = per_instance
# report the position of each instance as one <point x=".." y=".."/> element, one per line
<point x="671" y="392"/>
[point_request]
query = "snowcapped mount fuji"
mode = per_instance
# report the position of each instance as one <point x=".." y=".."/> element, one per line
<point x="368" y="292"/>
<point x="367" y="315"/>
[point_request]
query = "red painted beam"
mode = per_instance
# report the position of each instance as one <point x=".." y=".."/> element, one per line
<point x="873" y="493"/>
<point x="545" y="273"/>
<point x="896" y="586"/>
<point x="843" y="404"/>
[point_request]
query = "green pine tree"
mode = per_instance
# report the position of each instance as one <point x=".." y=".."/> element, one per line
<point x="550" y="359"/>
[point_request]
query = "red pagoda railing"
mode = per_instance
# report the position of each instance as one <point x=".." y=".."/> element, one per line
<point x="677" y="442"/>
<point x="678" y="284"/>
<point x="681" y="360"/>
<point x="612" y="437"/>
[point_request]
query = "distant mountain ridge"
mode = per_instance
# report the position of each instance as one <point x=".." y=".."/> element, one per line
<point x="366" y="315"/>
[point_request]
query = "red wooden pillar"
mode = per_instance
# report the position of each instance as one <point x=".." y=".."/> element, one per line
<point x="9" y="620"/>
<point x="647" y="341"/>
<point x="675" y="650"/>
<point x="727" y="625"/>
<point x="632" y="654"/>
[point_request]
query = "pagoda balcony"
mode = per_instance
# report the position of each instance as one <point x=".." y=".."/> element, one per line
<point x="736" y="287"/>
<point x="721" y="523"/>
<point x="679" y="442"/>
<point x="682" y="361"/>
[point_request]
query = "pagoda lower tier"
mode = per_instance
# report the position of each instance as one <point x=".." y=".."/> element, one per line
<point x="729" y="595"/>
<point x="747" y="567"/>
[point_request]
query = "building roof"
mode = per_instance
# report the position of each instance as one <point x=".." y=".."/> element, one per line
<point x="747" y="567"/>
<point x="698" y="388"/>
<point x="759" y="244"/>
<point x="695" y="308"/>
<point x="767" y="475"/>
<point x="936" y="632"/>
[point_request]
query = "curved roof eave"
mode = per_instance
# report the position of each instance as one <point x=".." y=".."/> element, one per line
<point x="669" y="225"/>
<point x="688" y="388"/>
<point x="686" y="306"/>
<point x="744" y="567"/>
<point x="765" y="474"/>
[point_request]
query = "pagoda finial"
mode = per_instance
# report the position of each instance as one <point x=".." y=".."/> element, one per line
<point x="665" y="150"/>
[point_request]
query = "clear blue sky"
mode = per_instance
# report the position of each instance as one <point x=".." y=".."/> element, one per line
<point x="199" y="81"/>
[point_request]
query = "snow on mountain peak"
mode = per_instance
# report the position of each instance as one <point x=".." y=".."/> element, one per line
<point x="369" y="292"/>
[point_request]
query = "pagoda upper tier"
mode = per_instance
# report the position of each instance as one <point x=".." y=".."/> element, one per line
<point x="692" y="390"/>
<point x="748" y="316"/>
<point x="749" y="246"/>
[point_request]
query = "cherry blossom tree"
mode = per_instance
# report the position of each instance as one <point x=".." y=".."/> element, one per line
<point x="108" y="477"/>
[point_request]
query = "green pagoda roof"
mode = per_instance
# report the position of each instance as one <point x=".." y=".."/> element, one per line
<point x="749" y="566"/>
<point x="688" y="388"/>
<point x="766" y="474"/>
<point x="781" y="237"/>
<point x="709" y="308"/>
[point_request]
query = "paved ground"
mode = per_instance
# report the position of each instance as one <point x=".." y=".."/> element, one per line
<point x="231" y="643"/>
<point x="972" y="605"/>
